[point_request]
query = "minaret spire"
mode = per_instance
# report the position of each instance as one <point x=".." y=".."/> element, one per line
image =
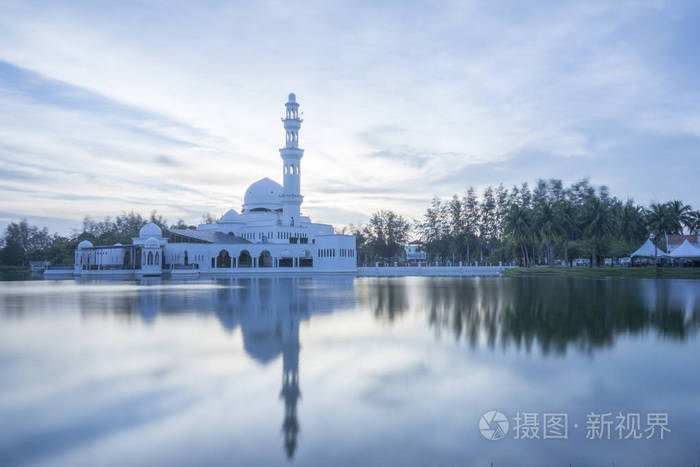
<point x="291" y="167"/>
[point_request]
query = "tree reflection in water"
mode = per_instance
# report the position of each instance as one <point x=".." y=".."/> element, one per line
<point x="552" y="313"/>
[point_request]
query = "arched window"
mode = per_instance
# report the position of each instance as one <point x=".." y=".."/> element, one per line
<point x="156" y="261"/>
<point x="265" y="260"/>
<point x="186" y="258"/>
<point x="245" y="260"/>
<point x="223" y="260"/>
<point x="149" y="259"/>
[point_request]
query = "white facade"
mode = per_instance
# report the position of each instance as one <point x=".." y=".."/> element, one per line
<point x="269" y="234"/>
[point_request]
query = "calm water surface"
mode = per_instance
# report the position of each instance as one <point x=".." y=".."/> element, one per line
<point x="345" y="371"/>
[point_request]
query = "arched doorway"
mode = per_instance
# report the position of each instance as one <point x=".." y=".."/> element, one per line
<point x="186" y="258"/>
<point x="245" y="260"/>
<point x="223" y="260"/>
<point x="265" y="260"/>
<point x="149" y="258"/>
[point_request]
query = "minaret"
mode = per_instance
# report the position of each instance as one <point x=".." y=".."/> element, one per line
<point x="291" y="157"/>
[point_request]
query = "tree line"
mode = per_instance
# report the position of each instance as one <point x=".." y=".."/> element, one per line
<point x="527" y="226"/>
<point x="518" y="226"/>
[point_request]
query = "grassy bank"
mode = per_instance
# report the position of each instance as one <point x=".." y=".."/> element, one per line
<point x="646" y="272"/>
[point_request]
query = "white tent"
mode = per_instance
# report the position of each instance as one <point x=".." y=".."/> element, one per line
<point x="649" y="250"/>
<point x="686" y="250"/>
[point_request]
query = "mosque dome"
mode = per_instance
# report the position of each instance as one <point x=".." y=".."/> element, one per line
<point x="292" y="97"/>
<point x="263" y="195"/>
<point x="231" y="216"/>
<point x="150" y="230"/>
<point x="85" y="244"/>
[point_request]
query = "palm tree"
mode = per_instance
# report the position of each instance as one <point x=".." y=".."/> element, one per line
<point x="518" y="226"/>
<point x="659" y="220"/>
<point x="566" y="215"/>
<point x="631" y="222"/>
<point x="600" y="221"/>
<point x="692" y="222"/>
<point x="546" y="226"/>
<point x="680" y="215"/>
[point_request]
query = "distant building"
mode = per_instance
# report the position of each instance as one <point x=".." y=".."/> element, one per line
<point x="414" y="252"/>
<point x="674" y="241"/>
<point x="269" y="234"/>
<point x="39" y="266"/>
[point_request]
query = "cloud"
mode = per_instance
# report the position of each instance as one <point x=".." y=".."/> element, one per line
<point x="400" y="103"/>
<point x="162" y="159"/>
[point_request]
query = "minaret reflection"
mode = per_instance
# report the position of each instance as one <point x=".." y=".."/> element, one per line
<point x="268" y="311"/>
<point x="290" y="387"/>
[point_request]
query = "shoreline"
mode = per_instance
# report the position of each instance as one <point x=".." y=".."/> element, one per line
<point x="606" y="271"/>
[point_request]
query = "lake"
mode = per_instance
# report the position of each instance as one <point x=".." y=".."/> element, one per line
<point x="321" y="371"/>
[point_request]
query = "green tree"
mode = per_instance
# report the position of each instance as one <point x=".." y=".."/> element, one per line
<point x="518" y="225"/>
<point x="692" y="222"/>
<point x="631" y="225"/>
<point x="432" y="228"/>
<point x="387" y="233"/>
<point x="487" y="223"/>
<point x="600" y="222"/>
<point x="470" y="217"/>
<point x="680" y="214"/>
<point x="566" y="214"/>
<point x="546" y="225"/>
<point x="659" y="222"/>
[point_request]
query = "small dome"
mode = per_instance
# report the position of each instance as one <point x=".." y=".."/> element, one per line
<point x="263" y="195"/>
<point x="151" y="242"/>
<point x="292" y="97"/>
<point x="85" y="244"/>
<point x="230" y="217"/>
<point x="150" y="230"/>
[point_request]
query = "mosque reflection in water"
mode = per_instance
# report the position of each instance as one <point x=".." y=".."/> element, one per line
<point x="551" y="315"/>
<point x="268" y="312"/>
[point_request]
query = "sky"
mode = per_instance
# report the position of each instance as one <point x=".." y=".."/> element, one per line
<point x="108" y="107"/>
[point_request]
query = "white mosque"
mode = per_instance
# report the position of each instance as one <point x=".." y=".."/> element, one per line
<point x="268" y="236"/>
